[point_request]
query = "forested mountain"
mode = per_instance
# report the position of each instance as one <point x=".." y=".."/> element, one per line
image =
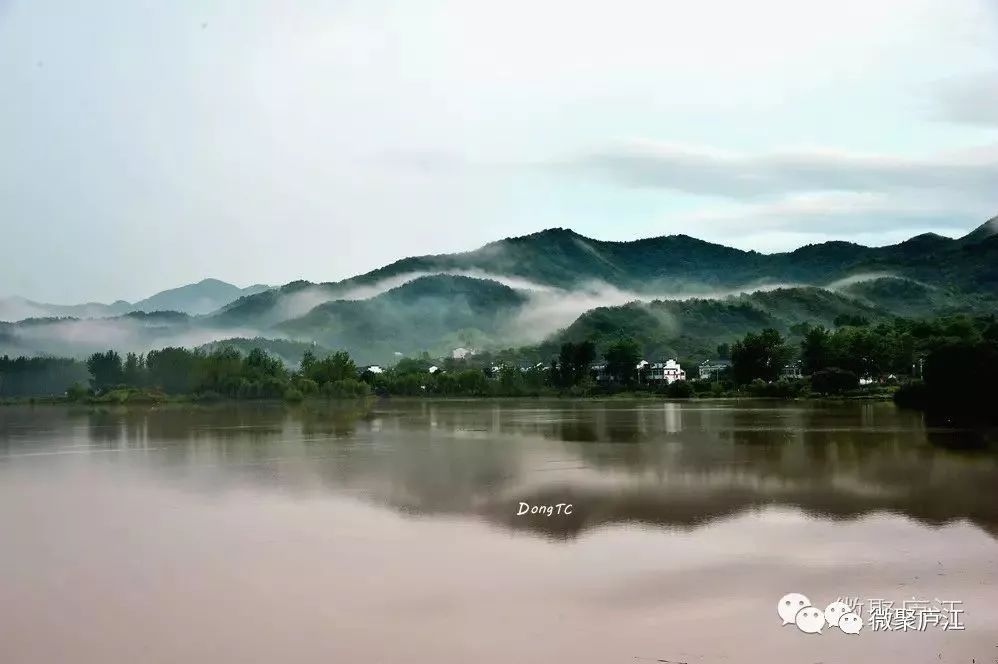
<point x="435" y="313"/>
<point x="676" y="264"/>
<point x="675" y="294"/>
<point x="693" y="328"/>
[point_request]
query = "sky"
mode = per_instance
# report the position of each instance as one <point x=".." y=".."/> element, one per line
<point x="144" y="145"/>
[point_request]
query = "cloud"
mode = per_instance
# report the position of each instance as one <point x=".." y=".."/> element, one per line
<point x="705" y="171"/>
<point x="870" y="219"/>
<point x="970" y="99"/>
<point x="827" y="212"/>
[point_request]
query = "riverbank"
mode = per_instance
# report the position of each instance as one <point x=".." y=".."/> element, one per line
<point x="141" y="398"/>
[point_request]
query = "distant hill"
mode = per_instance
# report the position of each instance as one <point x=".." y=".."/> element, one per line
<point x="76" y="337"/>
<point x="201" y="298"/>
<point x="693" y="328"/>
<point x="676" y="294"/>
<point x="983" y="232"/>
<point x="435" y="313"/>
<point x="677" y="264"/>
<point x="15" y="308"/>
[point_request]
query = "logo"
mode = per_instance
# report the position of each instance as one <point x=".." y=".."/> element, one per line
<point x="884" y="616"/>
<point x="796" y="609"/>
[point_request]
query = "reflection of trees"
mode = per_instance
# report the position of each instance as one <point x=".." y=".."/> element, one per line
<point x="831" y="461"/>
<point x="669" y="465"/>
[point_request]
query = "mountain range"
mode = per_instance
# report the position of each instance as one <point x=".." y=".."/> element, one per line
<point x="677" y="294"/>
<point x="203" y="297"/>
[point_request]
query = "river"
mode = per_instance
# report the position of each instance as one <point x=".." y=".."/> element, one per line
<point x="391" y="532"/>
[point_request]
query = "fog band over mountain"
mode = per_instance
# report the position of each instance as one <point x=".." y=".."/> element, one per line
<point x="674" y="292"/>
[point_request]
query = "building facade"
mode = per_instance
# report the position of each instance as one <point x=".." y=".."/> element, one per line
<point x="713" y="369"/>
<point x="669" y="372"/>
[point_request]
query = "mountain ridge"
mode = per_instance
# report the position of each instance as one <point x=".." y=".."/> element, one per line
<point x="536" y="289"/>
<point x="198" y="298"/>
<point x="562" y="258"/>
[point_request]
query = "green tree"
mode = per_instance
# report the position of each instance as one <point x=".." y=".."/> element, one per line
<point x="133" y="373"/>
<point x="307" y="362"/>
<point x="816" y="349"/>
<point x="759" y="356"/>
<point x="622" y="358"/>
<point x="574" y="361"/>
<point x="258" y="365"/>
<point x="173" y="370"/>
<point x="833" y="381"/>
<point x="106" y="370"/>
<point x="336" y="367"/>
<point x="219" y="371"/>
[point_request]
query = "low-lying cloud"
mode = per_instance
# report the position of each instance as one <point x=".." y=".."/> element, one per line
<point x="700" y="170"/>
<point x="862" y="215"/>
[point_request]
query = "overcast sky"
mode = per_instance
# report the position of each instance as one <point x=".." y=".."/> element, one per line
<point x="144" y="145"/>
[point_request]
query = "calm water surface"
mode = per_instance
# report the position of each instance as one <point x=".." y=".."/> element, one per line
<point x="388" y="532"/>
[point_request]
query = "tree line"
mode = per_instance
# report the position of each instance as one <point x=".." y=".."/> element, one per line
<point x="951" y="359"/>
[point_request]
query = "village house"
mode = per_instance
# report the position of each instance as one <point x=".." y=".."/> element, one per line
<point x="713" y="369"/>
<point x="792" y="371"/>
<point x="669" y="371"/>
<point x="652" y="372"/>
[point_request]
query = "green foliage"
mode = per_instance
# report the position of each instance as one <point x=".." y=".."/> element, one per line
<point x="128" y="395"/>
<point x="621" y="359"/>
<point x="843" y="320"/>
<point x="346" y="388"/>
<point x="961" y="377"/>
<point x="816" y="352"/>
<point x="574" y="361"/>
<point x="39" y="376"/>
<point x="833" y="381"/>
<point x="76" y="392"/>
<point x="759" y="356"/>
<point x="913" y="394"/>
<point x="336" y="367"/>
<point x="438" y="313"/>
<point x="679" y="389"/>
<point x="106" y="370"/>
<point x="133" y="372"/>
<point x="288" y="351"/>
<point x="699" y="329"/>
<point x="308" y="386"/>
<point x="173" y="370"/>
<point x="779" y="389"/>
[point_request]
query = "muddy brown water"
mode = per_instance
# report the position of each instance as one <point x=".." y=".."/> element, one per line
<point x="389" y="532"/>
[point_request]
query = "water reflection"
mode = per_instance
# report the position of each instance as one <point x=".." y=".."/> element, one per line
<point x="663" y="464"/>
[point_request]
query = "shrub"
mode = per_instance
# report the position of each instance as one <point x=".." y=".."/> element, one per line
<point x="272" y="387"/>
<point x="293" y="395"/>
<point x="914" y="394"/>
<point x="348" y="388"/>
<point x="76" y="392"/>
<point x="780" y="389"/>
<point x="247" y="390"/>
<point x="207" y="396"/>
<point x="833" y="381"/>
<point x="680" y="389"/>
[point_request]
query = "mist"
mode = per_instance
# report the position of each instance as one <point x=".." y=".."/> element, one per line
<point x="373" y="333"/>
